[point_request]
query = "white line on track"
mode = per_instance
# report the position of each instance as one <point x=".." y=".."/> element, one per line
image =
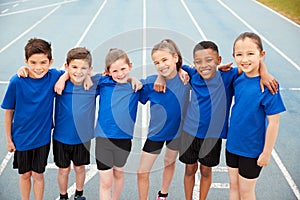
<point x="5" y="161"/>
<point x="194" y="20"/>
<point x="276" y="13"/>
<point x="29" y="29"/>
<point x="286" y="174"/>
<point x="262" y="37"/>
<point x="91" y="23"/>
<point x="37" y="8"/>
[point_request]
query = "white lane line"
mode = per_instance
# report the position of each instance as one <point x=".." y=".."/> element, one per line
<point x="194" y="20"/>
<point x="286" y="174"/>
<point x="29" y="29"/>
<point x="38" y="8"/>
<point x="5" y="161"/>
<point x="91" y="23"/>
<point x="9" y="3"/>
<point x="145" y="108"/>
<point x="276" y="13"/>
<point x="262" y="37"/>
<point x="4" y="11"/>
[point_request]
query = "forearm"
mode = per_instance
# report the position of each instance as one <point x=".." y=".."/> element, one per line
<point x="8" y="118"/>
<point x="271" y="134"/>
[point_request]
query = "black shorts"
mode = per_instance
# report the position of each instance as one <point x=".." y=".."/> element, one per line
<point x="31" y="160"/>
<point x="154" y="147"/>
<point x="63" y="154"/>
<point x="248" y="167"/>
<point x="112" y="152"/>
<point x="207" y="151"/>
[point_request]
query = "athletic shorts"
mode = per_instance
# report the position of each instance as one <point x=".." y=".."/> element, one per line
<point x="63" y="154"/>
<point x="31" y="160"/>
<point x="112" y="152"/>
<point x="154" y="147"/>
<point x="207" y="151"/>
<point x="248" y="167"/>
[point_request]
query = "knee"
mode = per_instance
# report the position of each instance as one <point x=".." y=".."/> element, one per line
<point x="118" y="174"/>
<point x="169" y="162"/>
<point x="26" y="176"/>
<point x="38" y="176"/>
<point x="64" y="171"/>
<point x="206" y="171"/>
<point x="79" y="169"/>
<point x="190" y="170"/>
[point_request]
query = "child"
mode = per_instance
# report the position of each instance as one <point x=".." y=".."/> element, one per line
<point x="167" y="112"/>
<point x="74" y="122"/>
<point x="206" y="121"/>
<point x="116" y="118"/>
<point x="250" y="140"/>
<point x="28" y="116"/>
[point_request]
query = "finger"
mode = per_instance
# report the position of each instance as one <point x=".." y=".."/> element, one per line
<point x="164" y="89"/>
<point x="262" y="88"/>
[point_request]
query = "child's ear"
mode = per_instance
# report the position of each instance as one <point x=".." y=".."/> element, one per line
<point x="51" y="62"/>
<point x="130" y="66"/>
<point x="176" y="57"/>
<point x="66" y="66"/>
<point x="219" y="60"/>
<point x="262" y="54"/>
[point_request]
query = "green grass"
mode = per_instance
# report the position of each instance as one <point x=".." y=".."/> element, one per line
<point x="288" y="8"/>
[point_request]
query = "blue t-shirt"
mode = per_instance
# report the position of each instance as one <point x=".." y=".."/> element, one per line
<point x="167" y="110"/>
<point x="208" y="110"/>
<point x="246" y="135"/>
<point x="117" y="109"/>
<point x="32" y="102"/>
<point x="75" y="113"/>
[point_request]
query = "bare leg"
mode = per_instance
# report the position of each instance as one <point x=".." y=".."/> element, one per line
<point x="118" y="182"/>
<point x="63" y="178"/>
<point x="106" y="181"/>
<point x="38" y="185"/>
<point x="189" y="180"/>
<point x="247" y="188"/>
<point x="169" y="168"/>
<point x="80" y="177"/>
<point x="234" y="183"/>
<point x="146" y="163"/>
<point x="25" y="185"/>
<point x="205" y="181"/>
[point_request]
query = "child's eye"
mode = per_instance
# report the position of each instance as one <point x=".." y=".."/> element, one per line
<point x="197" y="62"/>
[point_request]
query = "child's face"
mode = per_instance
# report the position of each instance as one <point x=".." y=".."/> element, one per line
<point x="119" y="71"/>
<point x="247" y="56"/>
<point x="38" y="65"/>
<point x="165" y="63"/>
<point x="206" y="62"/>
<point x="78" y="70"/>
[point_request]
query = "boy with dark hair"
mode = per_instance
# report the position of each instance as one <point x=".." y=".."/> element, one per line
<point x="28" y="105"/>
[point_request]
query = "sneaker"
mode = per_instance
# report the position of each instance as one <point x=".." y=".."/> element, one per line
<point x="63" y="199"/>
<point x="161" y="198"/>
<point x="79" y="198"/>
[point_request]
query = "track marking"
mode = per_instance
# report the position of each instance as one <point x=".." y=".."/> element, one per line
<point x="262" y="37"/>
<point x="286" y="174"/>
<point x="5" y="161"/>
<point x="194" y="20"/>
<point x="91" y="23"/>
<point x="38" y="8"/>
<point x="276" y="13"/>
<point x="29" y="29"/>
